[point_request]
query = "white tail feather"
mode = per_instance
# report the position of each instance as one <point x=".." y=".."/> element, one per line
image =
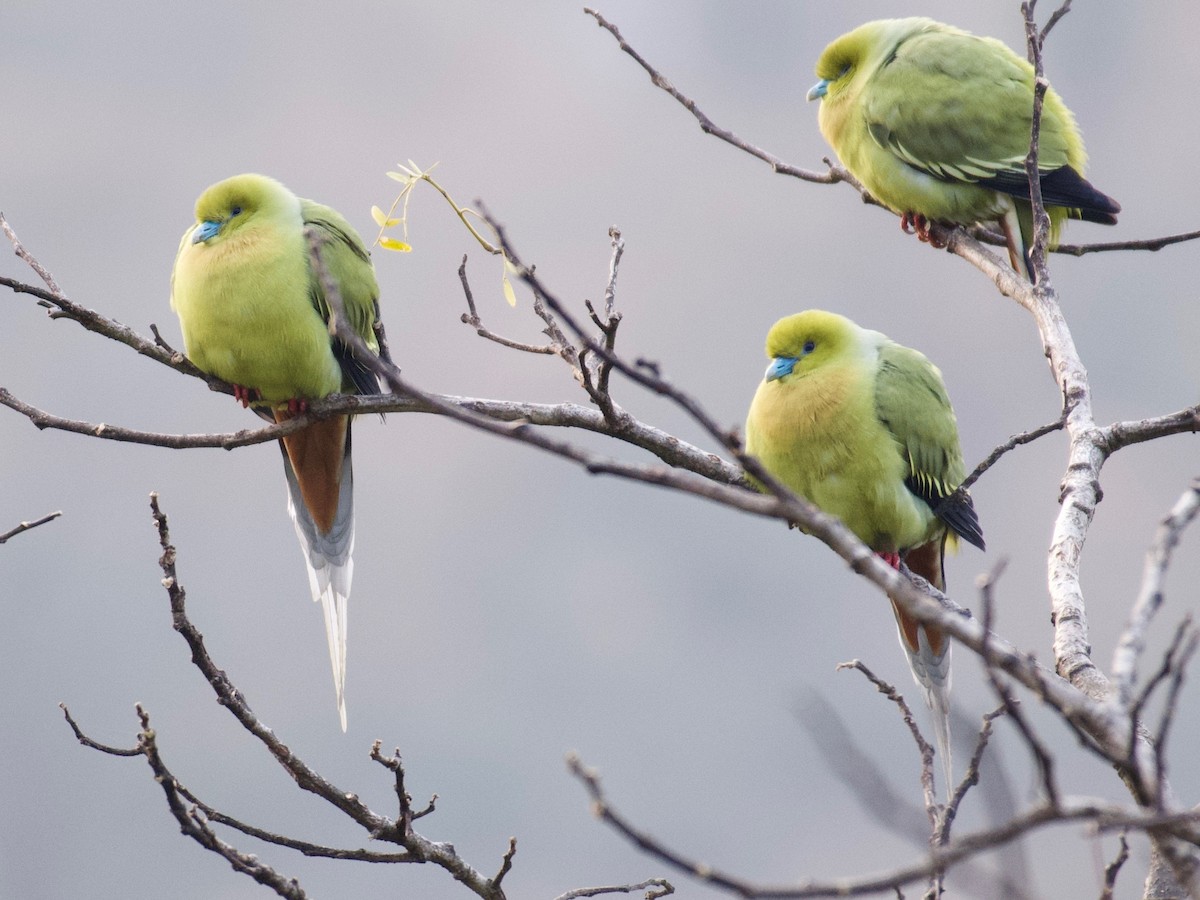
<point x="931" y="672"/>
<point x="330" y="568"/>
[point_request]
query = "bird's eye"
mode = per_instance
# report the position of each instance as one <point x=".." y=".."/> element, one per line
<point x="809" y="346"/>
<point x="235" y="211"/>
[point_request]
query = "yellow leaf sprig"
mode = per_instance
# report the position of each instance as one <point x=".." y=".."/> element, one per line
<point x="410" y="176"/>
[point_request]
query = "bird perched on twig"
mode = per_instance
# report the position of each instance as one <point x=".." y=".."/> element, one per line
<point x="254" y="314"/>
<point x="935" y="122"/>
<point x="862" y="427"/>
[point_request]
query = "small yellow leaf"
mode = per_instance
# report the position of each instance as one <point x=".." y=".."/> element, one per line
<point x="381" y="218"/>
<point x="388" y="243"/>
<point x="509" y="294"/>
<point x="400" y="176"/>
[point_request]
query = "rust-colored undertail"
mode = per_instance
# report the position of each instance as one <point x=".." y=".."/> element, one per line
<point x="925" y="561"/>
<point x="316" y="454"/>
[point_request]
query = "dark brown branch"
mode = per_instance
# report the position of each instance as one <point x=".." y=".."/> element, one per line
<point x="1114" y="868"/>
<point x="834" y="175"/>
<point x="379" y="827"/>
<point x="96" y="745"/>
<point x="62" y="308"/>
<point x="194" y="824"/>
<point x="1101" y="816"/>
<point x="1016" y="440"/>
<point x="596" y="374"/>
<point x="1052" y="21"/>
<point x="471" y="317"/>
<point x="923" y="746"/>
<point x="193" y="821"/>
<point x="1151" y="244"/>
<point x="316" y="851"/>
<point x="970" y="777"/>
<point x="22" y="527"/>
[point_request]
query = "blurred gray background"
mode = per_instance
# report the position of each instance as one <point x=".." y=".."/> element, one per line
<point x="507" y="607"/>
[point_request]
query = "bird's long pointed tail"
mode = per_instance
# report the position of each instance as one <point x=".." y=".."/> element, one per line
<point x="320" y="484"/>
<point x="928" y="651"/>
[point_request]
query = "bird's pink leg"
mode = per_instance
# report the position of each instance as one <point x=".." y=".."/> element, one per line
<point x="892" y="559"/>
<point x="296" y="406"/>
<point x="245" y="395"/>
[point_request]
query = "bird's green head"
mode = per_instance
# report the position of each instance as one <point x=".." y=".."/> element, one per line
<point x="801" y="343"/>
<point x="860" y="52"/>
<point x="229" y="205"/>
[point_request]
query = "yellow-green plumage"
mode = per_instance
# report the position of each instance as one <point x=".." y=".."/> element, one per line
<point x="251" y="311"/>
<point x="862" y="427"/>
<point x="254" y="314"/>
<point x="935" y="122"/>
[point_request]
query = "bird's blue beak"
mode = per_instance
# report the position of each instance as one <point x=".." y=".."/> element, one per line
<point x="780" y="366"/>
<point x="820" y="89"/>
<point x="204" y="231"/>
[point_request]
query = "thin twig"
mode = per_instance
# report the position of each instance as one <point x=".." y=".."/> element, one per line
<point x="96" y="745"/>
<point x="1011" y="706"/>
<point x="471" y="317"/>
<point x="655" y="888"/>
<point x="1101" y="816"/>
<point x="1016" y="440"/>
<point x="924" y="748"/>
<point x="194" y="824"/>
<point x="24" y="526"/>
<point x="1053" y="20"/>
<point x="379" y="827"/>
<point x="1171" y="705"/>
<point x="1151" y="244"/>
<point x="29" y="259"/>
<point x="1113" y="869"/>
<point x="970" y="777"/>
<point x="834" y="175"/>
<point x="1150" y="594"/>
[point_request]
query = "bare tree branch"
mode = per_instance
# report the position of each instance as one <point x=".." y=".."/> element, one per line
<point x="378" y="827"/>
<point x="1150" y="596"/>
<point x="924" y="748"/>
<point x="1101" y="815"/>
<point x="1114" y="868"/>
<point x="29" y="259"/>
<point x="1025" y="437"/>
<point x="654" y="888"/>
<point x="471" y="317"/>
<point x="834" y="175"/>
<point x="24" y="526"/>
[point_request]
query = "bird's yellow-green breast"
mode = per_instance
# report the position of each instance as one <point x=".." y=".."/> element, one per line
<point x="244" y="292"/>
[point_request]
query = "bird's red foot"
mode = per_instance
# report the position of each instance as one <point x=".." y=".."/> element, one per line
<point x="245" y="395"/>
<point x="296" y="406"/>
<point x="892" y="559"/>
<point x="915" y="223"/>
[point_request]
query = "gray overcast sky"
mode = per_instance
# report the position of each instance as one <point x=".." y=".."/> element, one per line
<point x="507" y="607"/>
